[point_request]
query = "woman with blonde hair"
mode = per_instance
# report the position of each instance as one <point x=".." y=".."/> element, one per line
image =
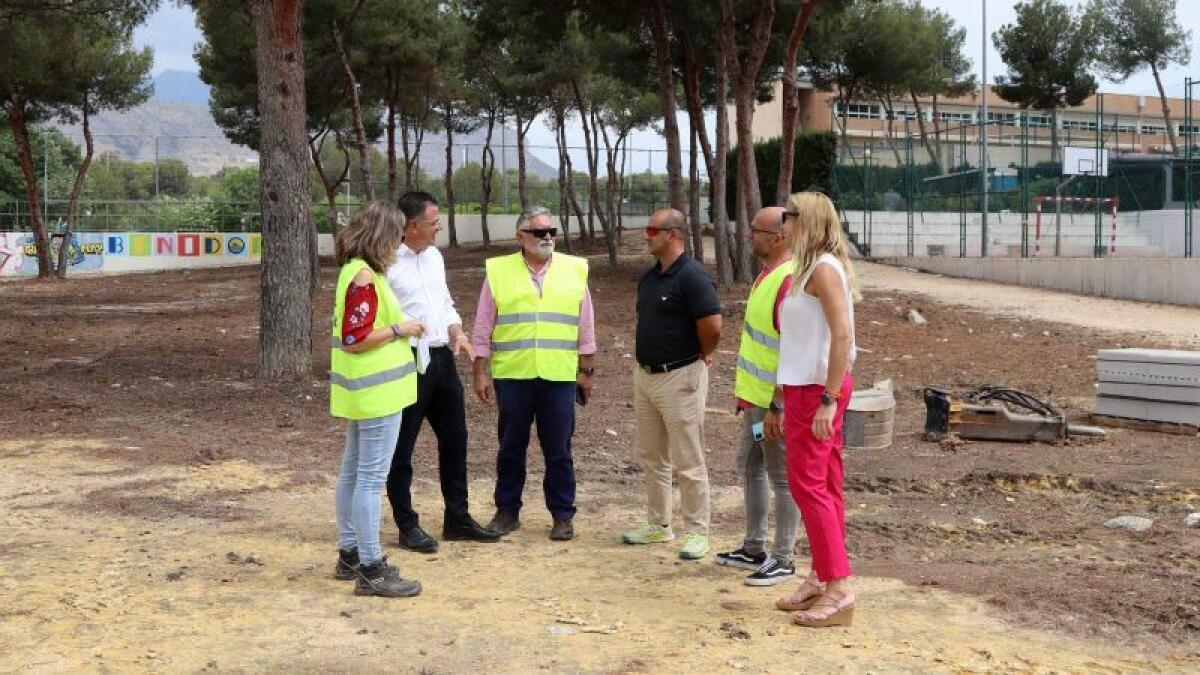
<point x="816" y="326"/>
<point x="372" y="378"/>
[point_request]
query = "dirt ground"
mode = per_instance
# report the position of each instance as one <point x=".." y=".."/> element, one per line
<point x="162" y="510"/>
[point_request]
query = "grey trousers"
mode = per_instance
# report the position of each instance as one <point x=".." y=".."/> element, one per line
<point x="763" y="465"/>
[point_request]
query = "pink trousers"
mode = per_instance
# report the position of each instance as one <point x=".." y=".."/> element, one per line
<point x="814" y="469"/>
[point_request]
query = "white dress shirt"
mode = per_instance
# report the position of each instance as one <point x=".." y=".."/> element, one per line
<point x="419" y="281"/>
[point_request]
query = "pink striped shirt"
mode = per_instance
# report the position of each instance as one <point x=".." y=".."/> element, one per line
<point x="485" y="317"/>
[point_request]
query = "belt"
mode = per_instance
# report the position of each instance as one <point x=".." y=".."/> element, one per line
<point x="668" y="367"/>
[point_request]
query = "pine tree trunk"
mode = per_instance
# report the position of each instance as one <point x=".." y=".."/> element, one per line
<point x="451" y="227"/>
<point x="18" y="120"/>
<point x="694" y="196"/>
<point x="285" y="338"/>
<point x="930" y="147"/>
<point x="1166" y="108"/>
<point x="360" y="134"/>
<point x="76" y="189"/>
<point x="721" y="238"/>
<point x="791" y="103"/>
<point x="522" y="128"/>
<point x="391" y="152"/>
<point x="487" y="160"/>
<point x="666" y="91"/>
<point x="564" y="173"/>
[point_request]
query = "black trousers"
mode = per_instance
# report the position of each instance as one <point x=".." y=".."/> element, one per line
<point x="440" y="400"/>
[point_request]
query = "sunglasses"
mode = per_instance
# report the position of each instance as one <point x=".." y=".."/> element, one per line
<point x="791" y="214"/>
<point x="652" y="231"/>
<point x="760" y="230"/>
<point x="541" y="232"/>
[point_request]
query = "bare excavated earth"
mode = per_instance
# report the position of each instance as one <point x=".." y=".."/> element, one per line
<point x="161" y="509"/>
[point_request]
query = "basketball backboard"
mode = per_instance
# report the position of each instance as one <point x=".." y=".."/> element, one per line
<point x="1083" y="161"/>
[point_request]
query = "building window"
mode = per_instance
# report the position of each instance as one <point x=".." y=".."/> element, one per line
<point x="956" y="116"/>
<point x="1040" y="121"/>
<point x="1185" y="129"/>
<point x="1120" y="128"/>
<point x="1155" y="129"/>
<point x="1003" y="119"/>
<point x="860" y="111"/>
<point x="1079" y="125"/>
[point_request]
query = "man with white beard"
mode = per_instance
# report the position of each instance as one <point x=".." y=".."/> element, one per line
<point x="535" y="341"/>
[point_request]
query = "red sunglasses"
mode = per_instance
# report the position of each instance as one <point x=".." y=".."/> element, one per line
<point x="652" y="231"/>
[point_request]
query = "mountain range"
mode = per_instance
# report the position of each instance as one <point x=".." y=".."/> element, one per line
<point x="176" y="123"/>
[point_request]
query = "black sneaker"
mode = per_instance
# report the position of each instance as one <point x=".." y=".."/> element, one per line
<point x="740" y="558"/>
<point x="347" y="561"/>
<point x="772" y="572"/>
<point x="384" y="580"/>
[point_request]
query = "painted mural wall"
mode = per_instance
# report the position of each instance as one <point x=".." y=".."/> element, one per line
<point x="132" y="251"/>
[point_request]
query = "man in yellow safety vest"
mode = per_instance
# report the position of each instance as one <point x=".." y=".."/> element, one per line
<point x="761" y="458"/>
<point x="534" y="341"/>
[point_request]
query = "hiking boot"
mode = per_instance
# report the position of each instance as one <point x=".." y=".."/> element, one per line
<point x="468" y="530"/>
<point x="563" y="530"/>
<point x="741" y="558"/>
<point x="504" y="522"/>
<point x="649" y="533"/>
<point x="695" y="546"/>
<point x="417" y="539"/>
<point x="384" y="580"/>
<point x="347" y="561"/>
<point x="772" y="572"/>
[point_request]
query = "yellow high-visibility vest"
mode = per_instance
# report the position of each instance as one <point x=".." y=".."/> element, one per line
<point x="758" y="353"/>
<point x="536" y="335"/>
<point x="377" y="382"/>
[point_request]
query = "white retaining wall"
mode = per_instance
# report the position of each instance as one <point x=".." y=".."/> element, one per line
<point x="1168" y="280"/>
<point x="1138" y="233"/>
<point x="117" y="252"/>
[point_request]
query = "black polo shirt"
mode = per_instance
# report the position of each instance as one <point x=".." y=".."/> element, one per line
<point x="668" y="305"/>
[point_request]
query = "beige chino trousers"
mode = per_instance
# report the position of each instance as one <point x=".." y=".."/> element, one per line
<point x="670" y="425"/>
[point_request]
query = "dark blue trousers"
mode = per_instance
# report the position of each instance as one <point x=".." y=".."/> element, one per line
<point x="552" y="406"/>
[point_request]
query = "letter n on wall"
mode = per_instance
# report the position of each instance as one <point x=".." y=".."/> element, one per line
<point x="164" y="244"/>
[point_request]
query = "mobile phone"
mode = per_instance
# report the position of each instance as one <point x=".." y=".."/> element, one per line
<point x="757" y="430"/>
<point x="580" y="398"/>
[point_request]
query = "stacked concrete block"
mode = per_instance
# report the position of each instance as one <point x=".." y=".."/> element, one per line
<point x="870" y="418"/>
<point x="1155" y="385"/>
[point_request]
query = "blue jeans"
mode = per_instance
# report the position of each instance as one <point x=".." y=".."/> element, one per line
<point x="552" y="405"/>
<point x="365" y="462"/>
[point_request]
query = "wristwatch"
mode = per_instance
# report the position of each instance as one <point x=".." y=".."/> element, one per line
<point x="589" y="370"/>
<point x="774" y="407"/>
<point x="828" y="398"/>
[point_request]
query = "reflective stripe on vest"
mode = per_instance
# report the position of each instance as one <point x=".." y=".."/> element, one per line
<point x="376" y="382"/>
<point x="536" y="335"/>
<point x="767" y="376"/>
<point x="373" y="379"/>
<point x="534" y="317"/>
<point x="760" y="337"/>
<point x="758" y="353"/>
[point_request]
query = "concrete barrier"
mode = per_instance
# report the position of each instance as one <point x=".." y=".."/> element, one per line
<point x="1168" y="280"/>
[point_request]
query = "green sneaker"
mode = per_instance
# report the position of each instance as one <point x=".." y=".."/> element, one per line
<point x="649" y="533"/>
<point x="695" y="546"/>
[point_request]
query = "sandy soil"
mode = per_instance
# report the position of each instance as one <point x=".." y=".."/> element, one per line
<point x="162" y="510"/>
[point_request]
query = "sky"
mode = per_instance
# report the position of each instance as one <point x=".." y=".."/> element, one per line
<point x="172" y="33"/>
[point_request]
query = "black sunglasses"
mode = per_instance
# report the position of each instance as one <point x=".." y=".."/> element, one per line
<point x="541" y="232"/>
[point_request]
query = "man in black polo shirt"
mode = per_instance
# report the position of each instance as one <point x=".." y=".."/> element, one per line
<point x="678" y="328"/>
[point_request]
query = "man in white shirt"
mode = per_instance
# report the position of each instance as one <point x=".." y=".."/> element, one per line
<point x="418" y="277"/>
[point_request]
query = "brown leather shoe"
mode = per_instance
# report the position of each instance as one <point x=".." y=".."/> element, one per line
<point x="563" y="530"/>
<point x="504" y="522"/>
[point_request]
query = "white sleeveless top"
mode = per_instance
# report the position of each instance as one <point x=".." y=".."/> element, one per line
<point x="804" y="335"/>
